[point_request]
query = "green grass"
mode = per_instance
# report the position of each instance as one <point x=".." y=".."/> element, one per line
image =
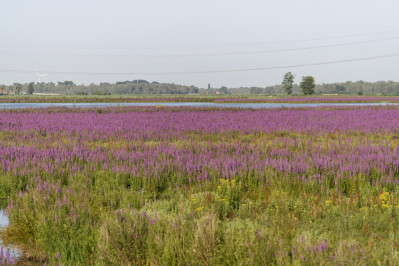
<point x="166" y="98"/>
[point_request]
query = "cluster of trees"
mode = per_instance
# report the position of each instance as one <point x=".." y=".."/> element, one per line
<point x="123" y="87"/>
<point x="18" y="88"/>
<point x="349" y="87"/>
<point x="307" y="86"/>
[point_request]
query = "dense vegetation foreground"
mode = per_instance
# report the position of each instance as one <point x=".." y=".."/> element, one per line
<point x="194" y="186"/>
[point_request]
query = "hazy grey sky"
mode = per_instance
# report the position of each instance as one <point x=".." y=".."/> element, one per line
<point x="74" y="39"/>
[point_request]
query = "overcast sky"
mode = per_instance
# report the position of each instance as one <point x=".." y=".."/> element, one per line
<point x="97" y="41"/>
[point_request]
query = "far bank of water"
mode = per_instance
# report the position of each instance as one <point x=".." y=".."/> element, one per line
<point x="187" y="104"/>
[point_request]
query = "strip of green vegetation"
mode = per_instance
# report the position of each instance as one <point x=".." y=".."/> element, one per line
<point x="239" y="98"/>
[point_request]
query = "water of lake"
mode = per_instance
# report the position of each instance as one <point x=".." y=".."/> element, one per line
<point x="13" y="253"/>
<point x="186" y="104"/>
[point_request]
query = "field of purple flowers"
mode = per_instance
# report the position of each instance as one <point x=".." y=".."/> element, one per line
<point x="168" y="186"/>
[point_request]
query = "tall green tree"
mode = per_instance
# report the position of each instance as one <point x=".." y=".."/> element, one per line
<point x="224" y="90"/>
<point x="31" y="88"/>
<point x="307" y="85"/>
<point x="288" y="82"/>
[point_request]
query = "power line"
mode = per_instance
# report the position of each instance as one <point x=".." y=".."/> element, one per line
<point x="281" y="50"/>
<point x="22" y="71"/>
<point x="154" y="47"/>
<point x="208" y="54"/>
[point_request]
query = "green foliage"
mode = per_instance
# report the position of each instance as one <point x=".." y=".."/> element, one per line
<point x="66" y="83"/>
<point x="123" y="238"/>
<point x="138" y="87"/>
<point x="288" y="82"/>
<point x="224" y="90"/>
<point x="100" y="93"/>
<point x="340" y="88"/>
<point x="255" y="90"/>
<point x="307" y="85"/>
<point x="31" y="88"/>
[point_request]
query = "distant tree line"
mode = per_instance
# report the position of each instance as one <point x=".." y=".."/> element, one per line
<point x="122" y="87"/>
<point x="349" y="87"/>
<point x="145" y="87"/>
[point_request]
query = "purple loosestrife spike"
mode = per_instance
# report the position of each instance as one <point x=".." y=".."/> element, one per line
<point x="57" y="256"/>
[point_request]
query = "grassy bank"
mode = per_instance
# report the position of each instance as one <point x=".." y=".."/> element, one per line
<point x="245" y="98"/>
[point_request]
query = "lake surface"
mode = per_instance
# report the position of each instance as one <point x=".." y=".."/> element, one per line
<point x="186" y="104"/>
<point x="3" y="219"/>
<point x="13" y="252"/>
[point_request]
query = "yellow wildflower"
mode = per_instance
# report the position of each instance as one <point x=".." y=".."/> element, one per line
<point x="365" y="208"/>
<point x="384" y="196"/>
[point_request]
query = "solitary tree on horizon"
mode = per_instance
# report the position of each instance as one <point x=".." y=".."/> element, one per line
<point x="307" y="85"/>
<point x="288" y="82"/>
<point x="31" y="88"/>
